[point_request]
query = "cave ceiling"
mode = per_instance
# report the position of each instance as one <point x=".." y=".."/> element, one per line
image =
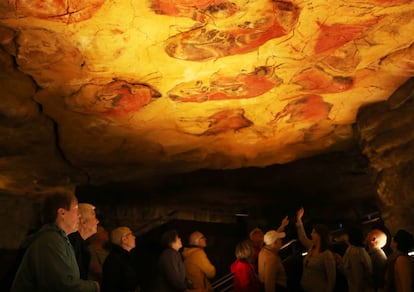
<point x="98" y="92"/>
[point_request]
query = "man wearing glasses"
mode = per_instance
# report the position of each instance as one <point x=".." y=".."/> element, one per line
<point x="118" y="272"/>
<point x="197" y="265"/>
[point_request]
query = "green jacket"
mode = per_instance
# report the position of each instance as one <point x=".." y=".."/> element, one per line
<point x="49" y="264"/>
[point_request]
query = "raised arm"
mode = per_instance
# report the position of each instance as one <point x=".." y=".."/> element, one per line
<point x="283" y="224"/>
<point x="301" y="230"/>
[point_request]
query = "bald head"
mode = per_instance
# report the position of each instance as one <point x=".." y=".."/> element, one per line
<point x="197" y="238"/>
<point x="123" y="237"/>
<point x="376" y="239"/>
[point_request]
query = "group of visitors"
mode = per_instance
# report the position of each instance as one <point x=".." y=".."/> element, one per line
<point x="70" y="253"/>
<point x="364" y="264"/>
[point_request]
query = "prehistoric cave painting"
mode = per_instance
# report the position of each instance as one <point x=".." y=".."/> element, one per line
<point x="308" y="108"/>
<point x="245" y="85"/>
<point x="226" y="120"/>
<point x="114" y="99"/>
<point x="318" y="81"/>
<point x="318" y="131"/>
<point x="220" y="122"/>
<point x="388" y="2"/>
<point x="48" y="57"/>
<point x="332" y="37"/>
<point x="68" y="11"/>
<point x="201" y="10"/>
<point x="345" y="59"/>
<point x="210" y="42"/>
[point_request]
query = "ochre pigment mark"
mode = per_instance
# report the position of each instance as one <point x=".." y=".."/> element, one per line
<point x="67" y="11"/>
<point x="388" y="2"/>
<point x="318" y="81"/>
<point x="332" y="37"/>
<point x="210" y="42"/>
<point x="227" y="120"/>
<point x="249" y="85"/>
<point x="308" y="108"/>
<point x="201" y="10"/>
<point x="120" y="98"/>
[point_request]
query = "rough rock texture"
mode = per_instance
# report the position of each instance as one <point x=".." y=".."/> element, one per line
<point x="100" y="92"/>
<point x="152" y="87"/>
<point x="387" y="139"/>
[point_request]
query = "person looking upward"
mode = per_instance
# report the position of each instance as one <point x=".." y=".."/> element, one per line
<point x="197" y="265"/>
<point x="49" y="263"/>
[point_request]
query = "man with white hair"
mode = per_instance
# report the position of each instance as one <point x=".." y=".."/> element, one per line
<point x="88" y="224"/>
<point x="272" y="274"/>
<point x="197" y="265"/>
<point x="118" y="272"/>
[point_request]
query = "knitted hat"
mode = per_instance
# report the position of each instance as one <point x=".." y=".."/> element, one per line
<point x="272" y="235"/>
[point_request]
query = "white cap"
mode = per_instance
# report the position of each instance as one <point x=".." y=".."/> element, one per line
<point x="272" y="235"/>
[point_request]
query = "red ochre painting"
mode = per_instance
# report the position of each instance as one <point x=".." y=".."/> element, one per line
<point x="209" y="41"/>
<point x="114" y="99"/>
<point x="226" y="120"/>
<point x="192" y="72"/>
<point x="306" y="109"/>
<point x="244" y="85"/>
<point x="318" y="81"/>
<point x="202" y="10"/>
<point x="58" y="10"/>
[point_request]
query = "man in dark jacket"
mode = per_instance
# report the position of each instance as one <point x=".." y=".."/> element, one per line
<point x="118" y="272"/>
<point x="49" y="263"/>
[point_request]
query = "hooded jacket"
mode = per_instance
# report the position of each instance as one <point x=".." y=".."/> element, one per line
<point x="198" y="267"/>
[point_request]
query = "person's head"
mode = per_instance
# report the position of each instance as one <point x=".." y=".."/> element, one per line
<point x="256" y="236"/>
<point x="61" y="208"/>
<point x="402" y="241"/>
<point x="376" y="239"/>
<point x="273" y="239"/>
<point x="123" y="237"/>
<point x="198" y="239"/>
<point x="88" y="222"/>
<point x="170" y="239"/>
<point x="355" y="235"/>
<point x="320" y="236"/>
<point x="244" y="250"/>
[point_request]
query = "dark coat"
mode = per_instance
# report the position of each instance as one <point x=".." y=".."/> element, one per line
<point x="171" y="272"/>
<point x="118" y="272"/>
<point x="83" y="256"/>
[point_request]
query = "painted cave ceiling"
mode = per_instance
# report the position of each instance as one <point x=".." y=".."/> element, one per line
<point x="101" y="91"/>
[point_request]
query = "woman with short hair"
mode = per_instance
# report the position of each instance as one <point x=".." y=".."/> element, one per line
<point x="245" y="279"/>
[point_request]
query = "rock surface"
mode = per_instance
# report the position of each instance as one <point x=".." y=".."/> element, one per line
<point x="107" y="92"/>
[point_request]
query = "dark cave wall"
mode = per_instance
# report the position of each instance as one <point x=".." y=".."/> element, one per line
<point x="386" y="137"/>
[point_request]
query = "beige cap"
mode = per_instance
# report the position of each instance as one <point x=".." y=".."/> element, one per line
<point x="272" y="235"/>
